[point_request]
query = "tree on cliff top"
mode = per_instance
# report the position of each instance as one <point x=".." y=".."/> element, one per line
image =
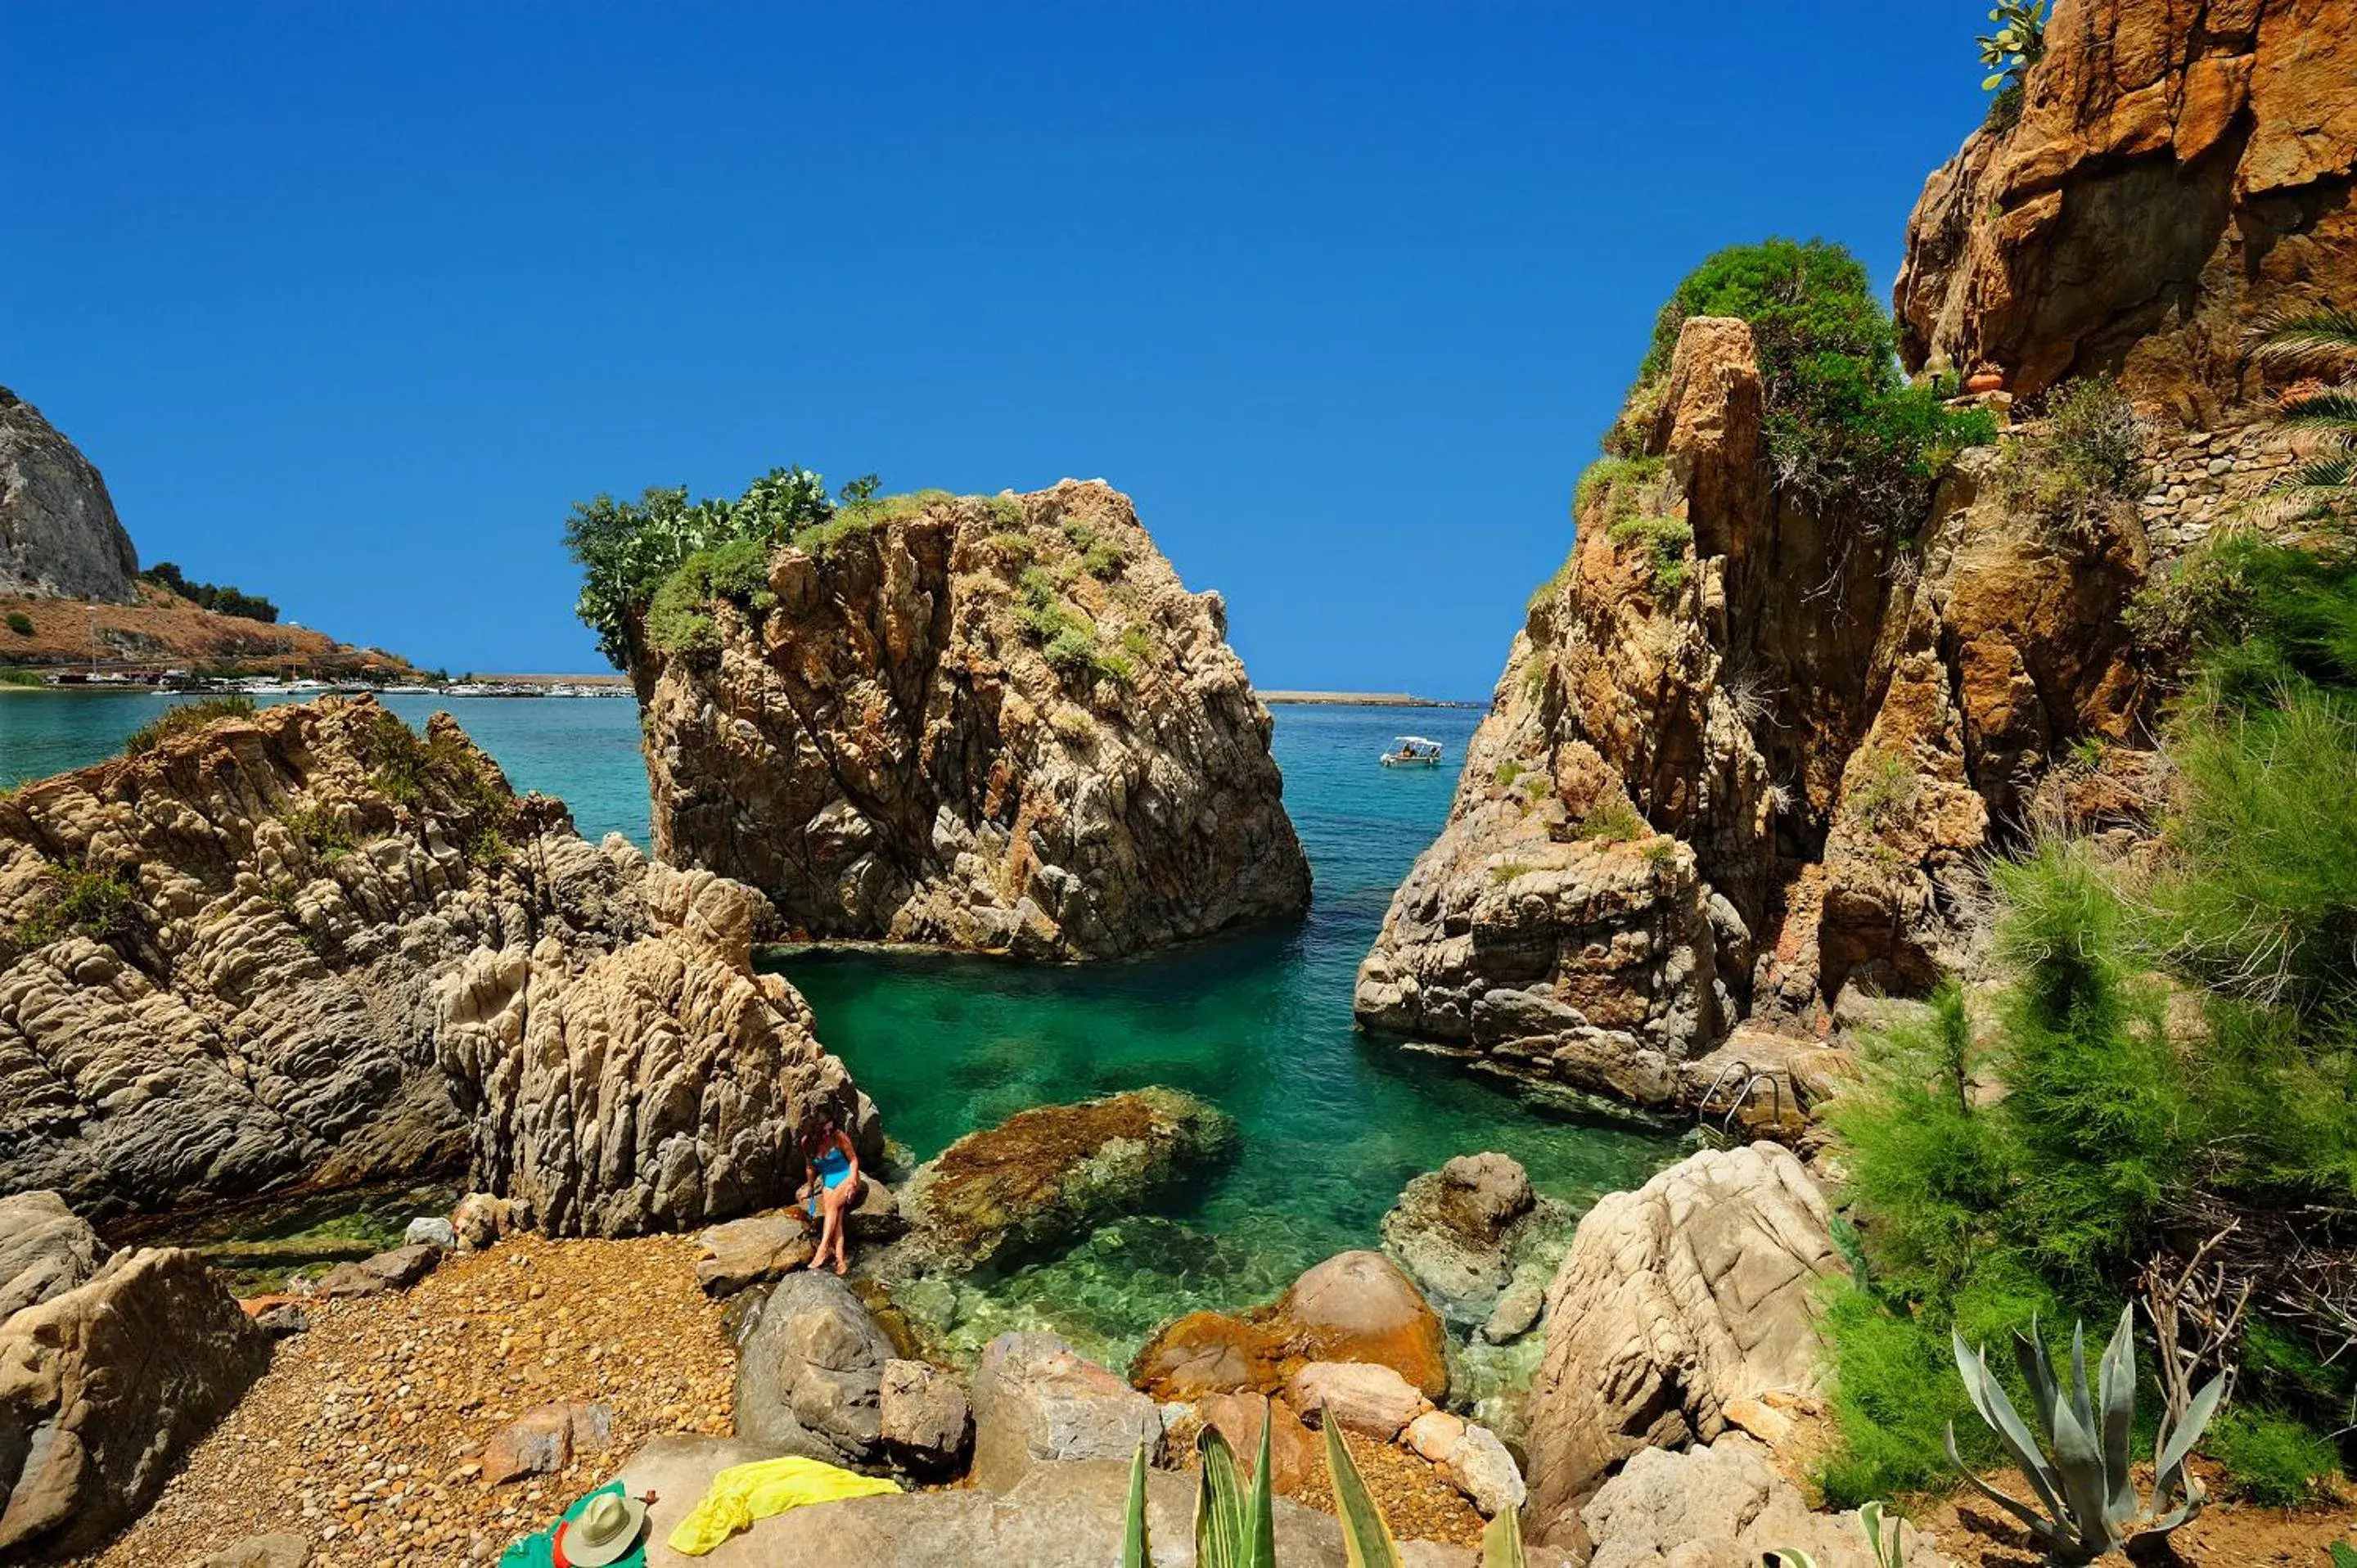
<point x="1842" y="421"/>
<point x="627" y="549"/>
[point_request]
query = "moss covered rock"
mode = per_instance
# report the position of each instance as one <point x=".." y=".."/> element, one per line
<point x="1050" y="1174"/>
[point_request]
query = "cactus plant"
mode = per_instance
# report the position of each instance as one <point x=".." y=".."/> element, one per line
<point x="2089" y="1499"/>
<point x="2016" y="46"/>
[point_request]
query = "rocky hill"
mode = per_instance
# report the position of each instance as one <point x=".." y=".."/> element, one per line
<point x="306" y="945"/>
<point x="58" y="534"/>
<point x="1000" y="724"/>
<point x="2176" y="170"/>
<point x="1751" y="742"/>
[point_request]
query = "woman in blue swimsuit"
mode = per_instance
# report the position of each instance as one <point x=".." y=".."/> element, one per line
<point x="832" y="1166"/>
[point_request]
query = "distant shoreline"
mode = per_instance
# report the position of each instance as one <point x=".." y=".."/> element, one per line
<point x="1362" y="700"/>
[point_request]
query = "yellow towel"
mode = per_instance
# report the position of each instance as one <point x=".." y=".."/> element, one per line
<point x="743" y="1493"/>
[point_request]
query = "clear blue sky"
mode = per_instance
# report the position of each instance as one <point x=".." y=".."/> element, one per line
<point x="351" y="301"/>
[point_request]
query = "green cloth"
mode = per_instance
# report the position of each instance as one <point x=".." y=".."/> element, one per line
<point x="540" y="1550"/>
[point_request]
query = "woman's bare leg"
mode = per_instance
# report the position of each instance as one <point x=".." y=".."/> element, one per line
<point x="836" y="1202"/>
<point x="830" y="1235"/>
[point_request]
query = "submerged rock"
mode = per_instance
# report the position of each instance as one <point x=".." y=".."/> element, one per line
<point x="999" y="725"/>
<point x="1354" y="1307"/>
<point x="1696" y="1290"/>
<point x="308" y="945"/>
<point x="1465" y="1231"/>
<point x="1052" y="1174"/>
<point x="104" y="1387"/>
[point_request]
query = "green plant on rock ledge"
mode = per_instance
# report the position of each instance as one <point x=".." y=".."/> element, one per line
<point x="2088" y="1494"/>
<point x="185" y="716"/>
<point x="2018" y="43"/>
<point x="1665" y="541"/>
<point x="2086" y="461"/>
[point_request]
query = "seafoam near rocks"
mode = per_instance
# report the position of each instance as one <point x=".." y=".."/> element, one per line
<point x="999" y="725"/>
<point x="309" y="944"/>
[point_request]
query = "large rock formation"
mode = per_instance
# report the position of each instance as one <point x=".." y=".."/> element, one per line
<point x="1736" y="787"/>
<point x="1727" y="1504"/>
<point x="58" y="534"/>
<point x="102" y="1388"/>
<point x="996" y="725"/>
<point x="1693" y="1291"/>
<point x="2178" y="170"/>
<point x="307" y="945"/>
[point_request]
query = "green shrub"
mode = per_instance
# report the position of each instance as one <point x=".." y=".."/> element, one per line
<point x="20" y="623"/>
<point x="2271" y="1459"/>
<point x="1506" y="871"/>
<point x="1658" y="850"/>
<point x="183" y="717"/>
<point x="219" y="598"/>
<point x="2086" y="460"/>
<point x="1138" y="645"/>
<point x="319" y="828"/>
<point x="1508" y="771"/>
<point x="1613" y="820"/>
<point x="1613" y="483"/>
<point x="1006" y="509"/>
<point x="1013" y="549"/>
<point x="15" y="675"/>
<point x="1665" y="541"/>
<point x="1888" y="792"/>
<point x="1842" y="426"/>
<point x="88" y="900"/>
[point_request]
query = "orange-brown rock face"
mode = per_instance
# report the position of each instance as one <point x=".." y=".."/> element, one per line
<point x="998" y="725"/>
<point x="1744" y="754"/>
<point x="2179" y="168"/>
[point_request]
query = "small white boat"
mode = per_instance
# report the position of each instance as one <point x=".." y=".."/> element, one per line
<point x="1413" y="751"/>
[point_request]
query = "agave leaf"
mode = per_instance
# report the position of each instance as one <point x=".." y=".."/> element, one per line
<point x="1218" y="1504"/>
<point x="1789" y="1556"/>
<point x="2116" y="1394"/>
<point x="1260" y="1516"/>
<point x="2084" y="1490"/>
<point x="2168" y="1469"/>
<point x="1133" y="1533"/>
<point x="2083" y="1403"/>
<point x="1501" y="1539"/>
<point x="2045" y="1529"/>
<point x="1869" y="1520"/>
<point x="2029" y="1355"/>
<point x="1989" y="1397"/>
<point x="2343" y="1555"/>
<point x="1366" y="1538"/>
<point x="2177" y="1516"/>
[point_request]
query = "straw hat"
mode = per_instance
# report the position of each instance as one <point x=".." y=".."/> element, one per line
<point x="604" y="1532"/>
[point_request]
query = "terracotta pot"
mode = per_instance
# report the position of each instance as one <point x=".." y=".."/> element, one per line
<point x="1985" y="379"/>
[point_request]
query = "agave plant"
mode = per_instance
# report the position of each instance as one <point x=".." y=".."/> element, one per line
<point x="2089" y="1496"/>
<point x="2016" y="46"/>
<point x="1889" y="1552"/>
<point x="1237" y="1529"/>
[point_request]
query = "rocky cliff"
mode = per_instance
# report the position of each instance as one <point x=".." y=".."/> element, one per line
<point x="1746" y="747"/>
<point x="307" y="945"/>
<point x="998" y="725"/>
<point x="59" y="535"/>
<point x="2178" y="168"/>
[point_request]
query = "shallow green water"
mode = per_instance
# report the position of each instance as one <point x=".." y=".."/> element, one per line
<point x="1333" y="1124"/>
<point x="1259" y="1023"/>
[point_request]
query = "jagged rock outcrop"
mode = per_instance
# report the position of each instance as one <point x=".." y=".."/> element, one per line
<point x="1354" y="1307"/>
<point x="1732" y="789"/>
<point x="102" y="1388"/>
<point x="1694" y="1291"/>
<point x="58" y="534"/>
<point x="2178" y="168"/>
<point x="307" y="945"/>
<point x="999" y="725"/>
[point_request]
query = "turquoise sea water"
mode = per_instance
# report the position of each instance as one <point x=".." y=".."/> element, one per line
<point x="1332" y="1124"/>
